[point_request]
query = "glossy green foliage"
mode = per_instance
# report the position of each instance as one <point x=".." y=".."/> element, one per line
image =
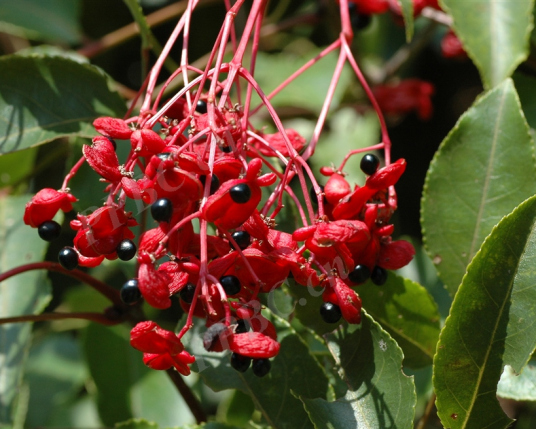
<point x="495" y="34"/>
<point x="407" y="311"/>
<point x="295" y="372"/>
<point x="44" y="98"/>
<point x="379" y="395"/>
<point x="27" y="293"/>
<point x="483" y="169"/>
<point x="490" y="324"/>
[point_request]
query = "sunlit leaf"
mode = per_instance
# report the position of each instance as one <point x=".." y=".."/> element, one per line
<point x="491" y="324"/>
<point x="494" y="33"/>
<point x="520" y="387"/>
<point x="482" y="170"/>
<point x="379" y="394"/>
<point x="407" y="311"/>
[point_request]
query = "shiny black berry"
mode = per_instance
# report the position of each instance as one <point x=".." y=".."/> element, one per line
<point x="241" y="326"/>
<point x="330" y="312"/>
<point x="231" y="285"/>
<point x="369" y="164"/>
<point x="240" y="363"/>
<point x="214" y="183"/>
<point x="359" y="274"/>
<point x="212" y="335"/>
<point x="314" y="198"/>
<point x="126" y="250"/>
<point x="242" y="238"/>
<point x="68" y="258"/>
<point x="261" y="367"/>
<point x="162" y="210"/>
<point x="358" y="20"/>
<point x="240" y="193"/>
<point x="130" y="292"/>
<point x="226" y="149"/>
<point x="378" y="275"/>
<point x="164" y="156"/>
<point x="201" y="107"/>
<point x="187" y="293"/>
<point x="49" y="230"/>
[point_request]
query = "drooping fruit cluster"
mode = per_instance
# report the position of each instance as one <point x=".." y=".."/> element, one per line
<point x="214" y="186"/>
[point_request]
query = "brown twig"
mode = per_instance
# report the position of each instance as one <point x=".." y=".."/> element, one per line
<point x="91" y="316"/>
<point x="186" y="393"/>
<point x="428" y="410"/>
<point x="103" y="288"/>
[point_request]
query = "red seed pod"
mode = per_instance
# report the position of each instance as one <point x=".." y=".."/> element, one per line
<point x="370" y="7"/>
<point x="395" y="255"/>
<point x="101" y="157"/>
<point x="327" y="171"/>
<point x="254" y="345"/>
<point x="45" y="204"/>
<point x="146" y="142"/>
<point x="112" y="127"/>
<point x="353" y="203"/>
<point x="387" y="176"/>
<point x="341" y="231"/>
<point x="154" y="286"/>
<point x="279" y="143"/>
<point x="348" y="301"/>
<point x="336" y="188"/>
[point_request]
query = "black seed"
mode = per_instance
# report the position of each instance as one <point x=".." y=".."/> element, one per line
<point x="214" y="183"/>
<point x="360" y="274"/>
<point x="241" y="326"/>
<point x="369" y="164"/>
<point x="330" y="312"/>
<point x="226" y="149"/>
<point x="201" y="107"/>
<point x="68" y="258"/>
<point x="231" y="285"/>
<point x="379" y="275"/>
<point x="130" y="292"/>
<point x="49" y="230"/>
<point x="187" y="293"/>
<point x="240" y="363"/>
<point x="212" y="335"/>
<point x="314" y="198"/>
<point x="242" y="238"/>
<point x="261" y="367"/>
<point x="162" y="210"/>
<point x="126" y="250"/>
<point x="240" y="193"/>
<point x="358" y="20"/>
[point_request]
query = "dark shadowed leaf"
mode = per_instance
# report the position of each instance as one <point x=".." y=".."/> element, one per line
<point x="44" y="98"/>
<point x="495" y="34"/>
<point x="491" y="324"/>
<point x="53" y="20"/>
<point x="379" y="394"/>
<point x="26" y="293"/>
<point x="483" y="169"/>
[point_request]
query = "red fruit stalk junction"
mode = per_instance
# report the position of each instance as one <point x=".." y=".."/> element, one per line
<point x="215" y="184"/>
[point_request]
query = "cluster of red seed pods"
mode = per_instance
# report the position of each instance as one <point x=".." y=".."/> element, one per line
<point x="214" y="185"/>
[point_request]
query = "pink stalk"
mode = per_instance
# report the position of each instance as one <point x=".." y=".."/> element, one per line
<point x="357" y="151"/>
<point x="72" y="173"/>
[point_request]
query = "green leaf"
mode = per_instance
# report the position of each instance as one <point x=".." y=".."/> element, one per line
<point x="483" y="169"/>
<point x="519" y="387"/>
<point x="136" y="424"/>
<point x="54" y="20"/>
<point x="26" y="293"/>
<point x="490" y="325"/>
<point x="407" y="311"/>
<point x="379" y="394"/>
<point x="308" y="91"/>
<point x="123" y="380"/>
<point x="526" y="88"/>
<point x="407" y="13"/>
<point x="495" y="34"/>
<point x="55" y="374"/>
<point x="45" y="98"/>
<point x="16" y="166"/>
<point x="294" y="372"/>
